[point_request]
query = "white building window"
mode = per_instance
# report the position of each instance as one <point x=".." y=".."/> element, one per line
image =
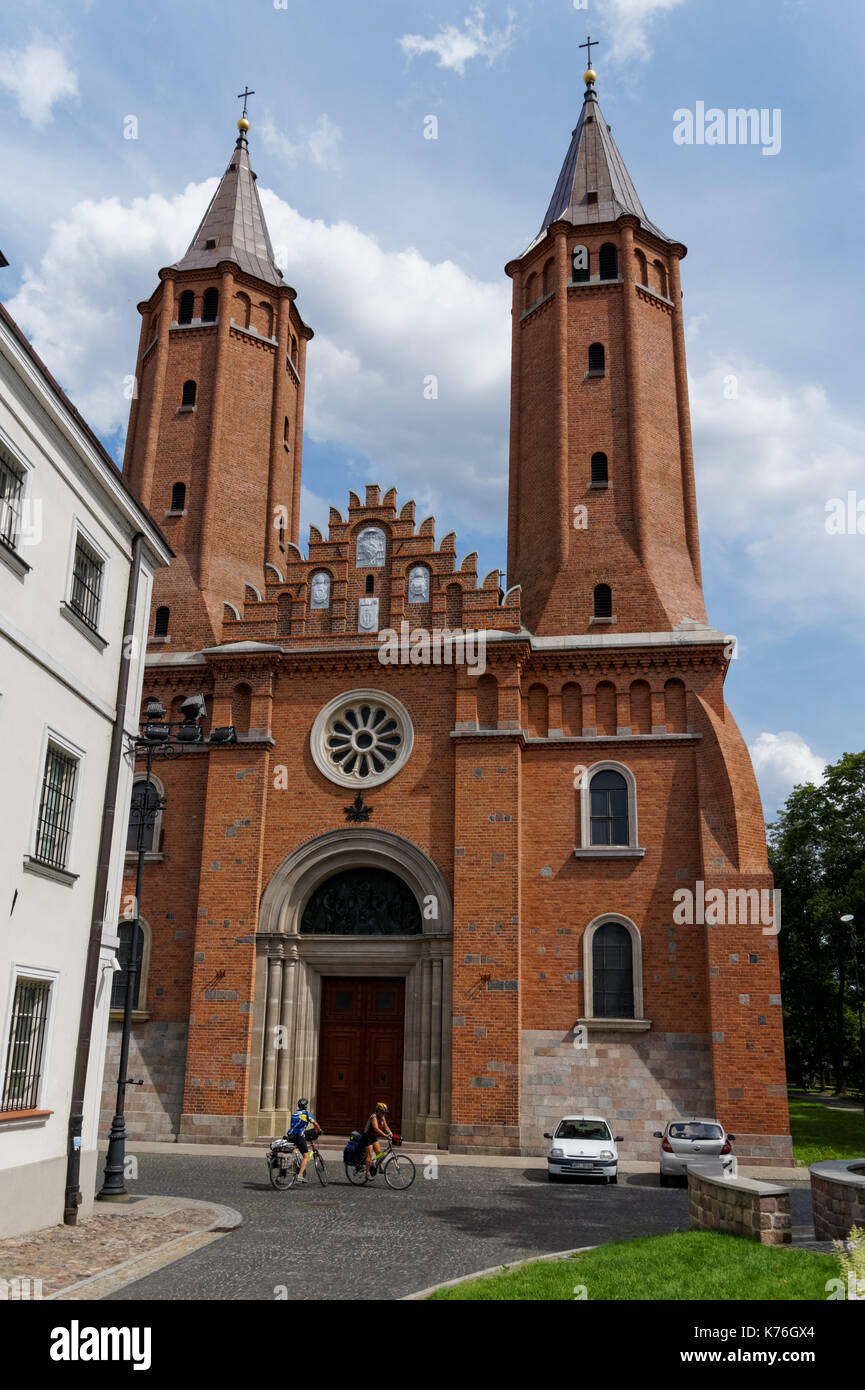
<point x="12" y="482"/>
<point x="56" y="805"/>
<point x="608" y="812"/>
<point x="25" y="1054"/>
<point x="85" y="593"/>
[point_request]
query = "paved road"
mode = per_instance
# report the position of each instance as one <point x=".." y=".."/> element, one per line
<point x="342" y="1242"/>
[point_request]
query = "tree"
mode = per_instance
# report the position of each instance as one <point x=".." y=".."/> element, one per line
<point x="817" y="854"/>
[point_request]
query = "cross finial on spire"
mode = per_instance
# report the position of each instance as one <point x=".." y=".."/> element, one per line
<point x="590" y="44"/>
<point x="245" y="94"/>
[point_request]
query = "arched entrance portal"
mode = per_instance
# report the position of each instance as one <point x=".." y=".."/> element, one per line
<point x="353" y="987"/>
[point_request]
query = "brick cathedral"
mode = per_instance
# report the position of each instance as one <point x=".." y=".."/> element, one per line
<point x="446" y="885"/>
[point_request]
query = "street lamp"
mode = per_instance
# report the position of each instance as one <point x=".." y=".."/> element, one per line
<point x="849" y="921"/>
<point x="157" y="739"/>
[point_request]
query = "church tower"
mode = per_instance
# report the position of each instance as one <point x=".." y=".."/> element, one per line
<point x="603" y="519"/>
<point x="216" y="427"/>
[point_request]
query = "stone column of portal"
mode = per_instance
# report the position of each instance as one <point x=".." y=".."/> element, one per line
<point x="435" y="1070"/>
<point x="271" y="1022"/>
<point x="686" y="448"/>
<point x="287" y="1018"/>
<point x="633" y="382"/>
<point x="279" y="474"/>
<point x="425" y="1036"/>
<point x="159" y="368"/>
<point x="211" y="478"/>
<point x="515" y="442"/>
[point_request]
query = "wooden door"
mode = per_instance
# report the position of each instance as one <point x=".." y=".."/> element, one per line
<point x="360" y="1051"/>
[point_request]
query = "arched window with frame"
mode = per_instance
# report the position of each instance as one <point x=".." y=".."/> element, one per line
<point x="145" y="809"/>
<point x="608" y="262"/>
<point x="120" y="979"/>
<point x="608" y="809"/>
<point x="597" y="359"/>
<point x="612" y="972"/>
<point x="210" y="307"/>
<point x="642" y="271"/>
<point x="186" y="308"/>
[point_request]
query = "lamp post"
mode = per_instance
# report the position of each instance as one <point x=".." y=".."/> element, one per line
<point x="164" y="740"/>
<point x="849" y="921"/>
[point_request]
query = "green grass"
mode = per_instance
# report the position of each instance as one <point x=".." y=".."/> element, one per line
<point x="686" y="1266"/>
<point x="821" y="1132"/>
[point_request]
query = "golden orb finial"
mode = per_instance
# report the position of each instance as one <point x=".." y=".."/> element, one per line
<point x="243" y="125"/>
<point x="590" y="76"/>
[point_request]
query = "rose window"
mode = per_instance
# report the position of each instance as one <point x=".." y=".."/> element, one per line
<point x="361" y="738"/>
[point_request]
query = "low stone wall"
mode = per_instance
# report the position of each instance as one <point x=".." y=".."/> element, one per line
<point x="838" y="1197"/>
<point x="739" y="1207"/>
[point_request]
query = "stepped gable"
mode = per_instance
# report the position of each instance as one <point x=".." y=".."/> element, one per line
<point x="455" y="600"/>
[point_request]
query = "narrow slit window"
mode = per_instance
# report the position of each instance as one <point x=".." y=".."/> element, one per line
<point x="178" y="497"/>
<point x="189" y="393"/>
<point x="187" y="306"/>
<point x="160" y="628"/>
<point x="597" y="359"/>
<point x="603" y="601"/>
<point x="210" y="308"/>
<point x="600" y="469"/>
<point x="608" y="262"/>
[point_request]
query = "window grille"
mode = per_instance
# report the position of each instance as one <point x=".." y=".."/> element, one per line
<point x="11" y="500"/>
<point x="55" y="807"/>
<point x="86" y="583"/>
<point x="613" y="971"/>
<point x="22" y="1072"/>
<point x="609" y="808"/>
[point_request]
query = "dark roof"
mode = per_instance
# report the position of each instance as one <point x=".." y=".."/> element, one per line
<point x="593" y="165"/>
<point x="234" y="221"/>
<point x="82" y="424"/>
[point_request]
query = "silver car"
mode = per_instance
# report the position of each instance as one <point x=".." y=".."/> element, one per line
<point x="687" y="1141"/>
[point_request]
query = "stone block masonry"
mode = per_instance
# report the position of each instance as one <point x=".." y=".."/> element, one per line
<point x="838" y="1198"/>
<point x="739" y="1207"/>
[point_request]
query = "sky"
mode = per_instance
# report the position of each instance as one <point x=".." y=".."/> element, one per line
<point x="119" y="119"/>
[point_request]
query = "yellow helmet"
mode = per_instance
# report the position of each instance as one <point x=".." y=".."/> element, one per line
<point x="381" y="1105"/>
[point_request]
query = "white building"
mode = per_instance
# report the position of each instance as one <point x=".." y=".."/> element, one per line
<point x="77" y="555"/>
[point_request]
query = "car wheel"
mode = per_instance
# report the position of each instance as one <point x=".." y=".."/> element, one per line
<point x="665" y="1180"/>
<point x="554" y="1177"/>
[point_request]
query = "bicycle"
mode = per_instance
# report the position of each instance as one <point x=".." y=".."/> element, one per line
<point x="284" y="1160"/>
<point x="398" y="1169"/>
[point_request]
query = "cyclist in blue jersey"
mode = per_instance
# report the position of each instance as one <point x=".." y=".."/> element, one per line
<point x="302" y="1121"/>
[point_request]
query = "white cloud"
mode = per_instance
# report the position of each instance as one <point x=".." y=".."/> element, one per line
<point x="384" y="322"/>
<point x="319" y="145"/>
<point x="769" y="460"/>
<point x="783" y="761"/>
<point x="629" y="23"/>
<point x="39" y="76"/>
<point x="455" y="47"/>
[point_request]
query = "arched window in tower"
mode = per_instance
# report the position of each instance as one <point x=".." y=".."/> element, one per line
<point x="612" y="972"/>
<point x="189" y="390"/>
<point x="160" y="627"/>
<point x="186" y="307"/>
<point x="597" y="359"/>
<point x="580" y="265"/>
<point x="608" y="261"/>
<point x="210" y="308"/>
<point x="286" y="433"/>
<point x="178" y="497"/>
<point x="600" y="469"/>
<point x="608" y="809"/>
<point x="549" y="272"/>
<point x="265" y="319"/>
<point x="243" y="307"/>
<point x="660" y="277"/>
<point x="642" y="272"/>
<point x="293" y="348"/>
<point x="603" y="601"/>
<point x="531" y="291"/>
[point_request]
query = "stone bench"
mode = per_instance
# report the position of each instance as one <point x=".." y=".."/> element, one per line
<point x="837" y="1197"/>
<point x="738" y="1206"/>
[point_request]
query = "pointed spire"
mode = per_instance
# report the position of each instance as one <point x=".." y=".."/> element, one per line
<point x="594" y="185"/>
<point x="233" y="227"/>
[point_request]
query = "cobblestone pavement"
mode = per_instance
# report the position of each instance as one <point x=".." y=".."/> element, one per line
<point x="342" y="1242"/>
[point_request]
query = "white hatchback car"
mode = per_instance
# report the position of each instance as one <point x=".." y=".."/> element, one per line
<point x="583" y="1146"/>
<point x="691" y="1141"/>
